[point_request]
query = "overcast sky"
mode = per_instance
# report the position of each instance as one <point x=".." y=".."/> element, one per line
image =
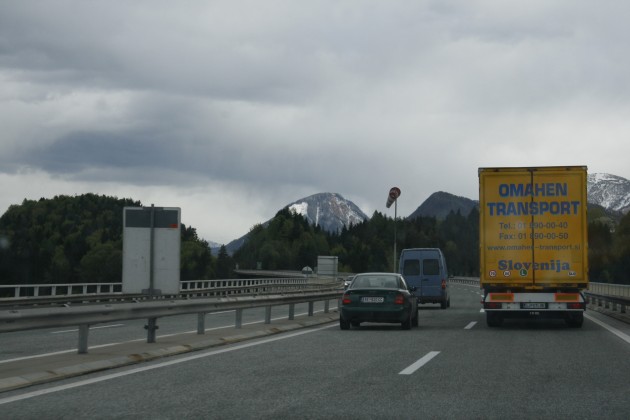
<point x="233" y="109"/>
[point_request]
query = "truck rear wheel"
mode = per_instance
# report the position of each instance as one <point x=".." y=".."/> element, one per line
<point x="574" y="320"/>
<point x="494" y="319"/>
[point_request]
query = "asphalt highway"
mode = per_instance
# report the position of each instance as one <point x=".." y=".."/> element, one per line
<point x="452" y="366"/>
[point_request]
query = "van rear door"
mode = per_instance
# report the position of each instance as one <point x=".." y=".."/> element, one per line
<point x="431" y="279"/>
<point x="421" y="268"/>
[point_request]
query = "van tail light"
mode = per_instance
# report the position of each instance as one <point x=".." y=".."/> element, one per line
<point x="443" y="284"/>
<point x="399" y="299"/>
<point x="345" y="300"/>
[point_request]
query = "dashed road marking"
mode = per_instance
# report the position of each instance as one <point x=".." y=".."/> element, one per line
<point x="421" y="362"/>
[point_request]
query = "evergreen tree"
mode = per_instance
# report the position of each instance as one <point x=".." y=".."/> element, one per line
<point x="225" y="264"/>
<point x="621" y="251"/>
<point x="599" y="252"/>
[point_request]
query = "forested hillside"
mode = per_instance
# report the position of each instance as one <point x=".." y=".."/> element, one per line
<point x="79" y="239"/>
<point x="290" y="242"/>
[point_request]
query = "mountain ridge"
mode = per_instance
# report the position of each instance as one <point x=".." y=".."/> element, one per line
<point x="609" y="191"/>
<point x="440" y="204"/>
<point x="330" y="211"/>
<point x="608" y="195"/>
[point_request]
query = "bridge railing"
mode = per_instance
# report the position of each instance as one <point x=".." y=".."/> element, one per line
<point x="26" y="291"/>
<point x="220" y="287"/>
<point x="609" y="289"/>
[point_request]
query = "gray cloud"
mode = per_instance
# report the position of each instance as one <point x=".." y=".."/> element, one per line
<point x="260" y="104"/>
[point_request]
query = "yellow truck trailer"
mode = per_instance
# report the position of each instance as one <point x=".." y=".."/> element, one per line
<point x="533" y="242"/>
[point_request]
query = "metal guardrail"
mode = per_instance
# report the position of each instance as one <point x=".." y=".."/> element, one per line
<point x="608" y="302"/>
<point x="36" y="317"/>
<point x="85" y="315"/>
<point x="610" y="296"/>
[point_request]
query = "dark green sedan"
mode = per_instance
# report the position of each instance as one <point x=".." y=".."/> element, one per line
<point x="378" y="297"/>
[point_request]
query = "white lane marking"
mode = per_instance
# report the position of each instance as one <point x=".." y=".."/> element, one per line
<point x="156" y="366"/>
<point x="417" y="365"/>
<point x="99" y="346"/>
<point x="625" y="337"/>
<point x="92" y="328"/>
<point x="469" y="326"/>
<point x="481" y="310"/>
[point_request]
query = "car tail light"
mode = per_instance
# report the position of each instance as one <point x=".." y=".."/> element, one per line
<point x="346" y="299"/>
<point x="443" y="284"/>
<point x="399" y="299"/>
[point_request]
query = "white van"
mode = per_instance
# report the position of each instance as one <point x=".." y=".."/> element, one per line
<point x="425" y="268"/>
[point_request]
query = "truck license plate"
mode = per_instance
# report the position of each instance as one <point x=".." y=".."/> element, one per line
<point x="533" y="305"/>
<point x="372" y="299"/>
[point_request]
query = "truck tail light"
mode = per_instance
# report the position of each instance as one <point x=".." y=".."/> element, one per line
<point x="345" y="299"/>
<point x="576" y="305"/>
<point x="399" y="299"/>
<point x="492" y="305"/>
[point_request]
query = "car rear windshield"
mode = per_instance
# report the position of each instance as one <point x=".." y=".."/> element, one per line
<point x="376" y="282"/>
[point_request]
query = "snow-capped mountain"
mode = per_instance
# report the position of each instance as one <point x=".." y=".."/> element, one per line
<point x="609" y="191"/>
<point x="329" y="211"/>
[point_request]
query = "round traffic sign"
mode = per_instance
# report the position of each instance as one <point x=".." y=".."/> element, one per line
<point x="394" y="193"/>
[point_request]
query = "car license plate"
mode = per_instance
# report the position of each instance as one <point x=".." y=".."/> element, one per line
<point x="533" y="305"/>
<point x="372" y="299"/>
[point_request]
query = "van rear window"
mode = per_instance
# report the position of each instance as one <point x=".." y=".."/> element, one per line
<point x="411" y="268"/>
<point x="430" y="267"/>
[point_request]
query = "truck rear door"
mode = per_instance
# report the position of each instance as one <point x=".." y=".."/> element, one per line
<point x="534" y="226"/>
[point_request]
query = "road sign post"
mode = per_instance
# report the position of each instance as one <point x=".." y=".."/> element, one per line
<point x="392" y="198"/>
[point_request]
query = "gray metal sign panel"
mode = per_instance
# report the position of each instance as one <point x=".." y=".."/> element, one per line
<point x="151" y="256"/>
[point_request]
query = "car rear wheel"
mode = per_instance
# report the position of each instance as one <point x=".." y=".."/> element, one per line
<point x="406" y="324"/>
<point x="343" y="324"/>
